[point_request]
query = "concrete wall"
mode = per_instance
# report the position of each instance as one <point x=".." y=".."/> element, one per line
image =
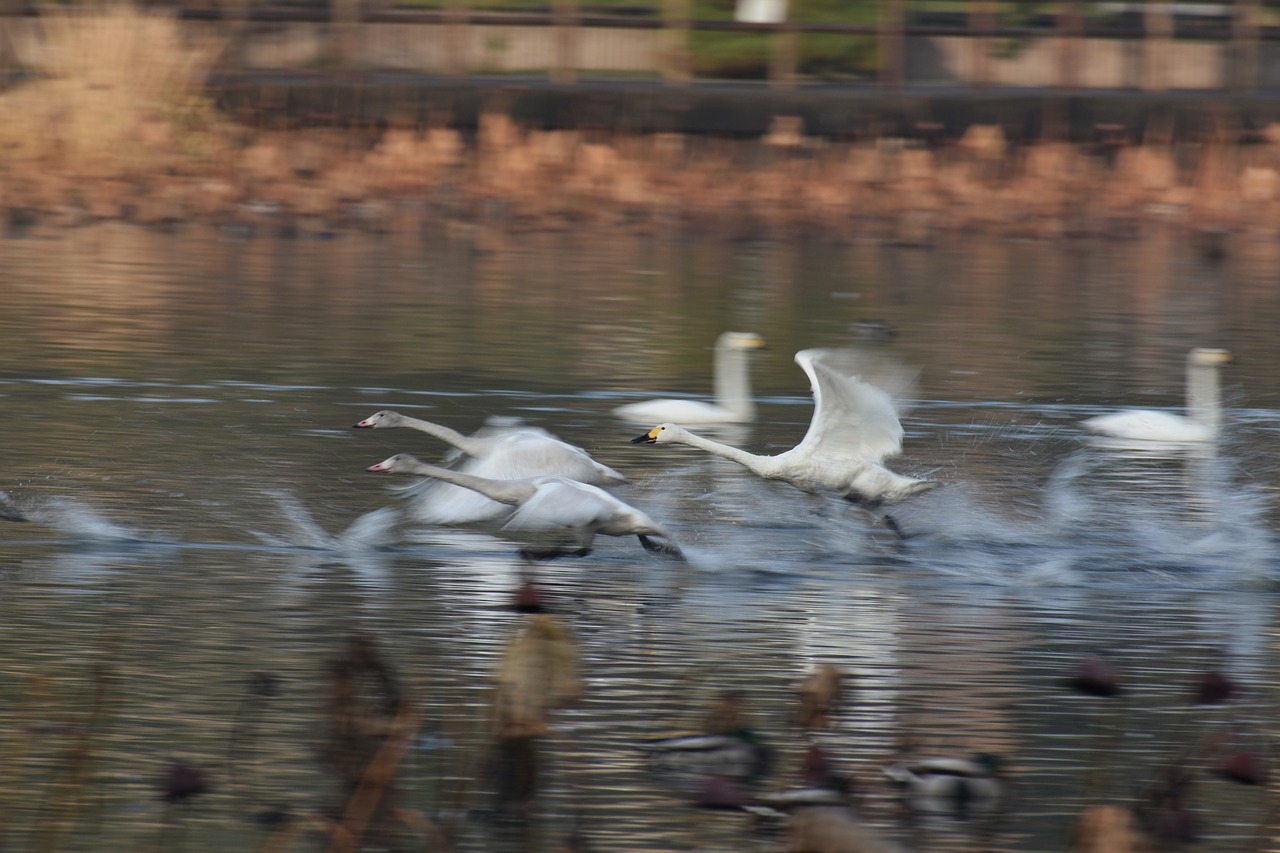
<point x="1104" y="63"/>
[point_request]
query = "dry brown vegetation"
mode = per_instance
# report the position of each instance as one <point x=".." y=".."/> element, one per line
<point x="120" y="127"/>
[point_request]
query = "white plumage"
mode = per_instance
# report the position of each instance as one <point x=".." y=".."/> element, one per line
<point x="550" y="503"/>
<point x="732" y="388"/>
<point x="1204" y="408"/>
<point x="498" y="453"/>
<point x="853" y="429"/>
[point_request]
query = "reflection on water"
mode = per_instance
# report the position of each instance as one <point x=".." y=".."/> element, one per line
<point x="178" y="410"/>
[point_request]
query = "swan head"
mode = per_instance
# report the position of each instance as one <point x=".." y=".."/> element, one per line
<point x="385" y="418"/>
<point x="401" y="462"/>
<point x="1210" y="357"/>
<point x="661" y="434"/>
<point x="740" y="341"/>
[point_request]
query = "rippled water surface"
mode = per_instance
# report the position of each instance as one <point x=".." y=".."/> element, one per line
<point x="177" y="412"/>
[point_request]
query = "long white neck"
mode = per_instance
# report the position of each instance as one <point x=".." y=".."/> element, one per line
<point x="468" y="445"/>
<point x="733" y="382"/>
<point x="513" y="492"/>
<point x="1204" y="402"/>
<point x="759" y="464"/>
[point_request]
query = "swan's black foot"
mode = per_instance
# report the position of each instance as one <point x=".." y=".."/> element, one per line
<point x="863" y="501"/>
<point x="11" y="513"/>
<point x="666" y="549"/>
<point x="892" y="523"/>
<point x="553" y="553"/>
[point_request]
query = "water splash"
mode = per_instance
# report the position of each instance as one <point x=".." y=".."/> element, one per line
<point x="370" y="531"/>
<point x="83" y="523"/>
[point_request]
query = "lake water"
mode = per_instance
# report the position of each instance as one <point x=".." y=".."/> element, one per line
<point x="178" y="408"/>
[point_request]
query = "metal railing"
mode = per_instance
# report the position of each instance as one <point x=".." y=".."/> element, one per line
<point x="1237" y="30"/>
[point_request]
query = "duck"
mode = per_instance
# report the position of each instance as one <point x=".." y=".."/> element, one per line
<point x="820" y="785"/>
<point x="1203" y="416"/>
<point x="502" y="453"/>
<point x="550" y="503"/>
<point x="736" y="754"/>
<point x="953" y="787"/>
<point x="732" y="388"/>
<point x="854" y="427"/>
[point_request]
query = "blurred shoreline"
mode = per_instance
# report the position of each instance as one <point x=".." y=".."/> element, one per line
<point x="261" y="156"/>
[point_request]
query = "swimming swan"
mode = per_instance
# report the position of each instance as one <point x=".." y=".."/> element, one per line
<point x="853" y="428"/>
<point x="505" y="454"/>
<point x="733" y="390"/>
<point x="1204" y="408"/>
<point x="550" y="503"/>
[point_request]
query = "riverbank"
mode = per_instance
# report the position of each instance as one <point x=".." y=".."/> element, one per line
<point x="123" y="116"/>
<point x="786" y="183"/>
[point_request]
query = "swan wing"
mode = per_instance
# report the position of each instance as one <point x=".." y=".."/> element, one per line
<point x="445" y="503"/>
<point x="562" y="503"/>
<point x="851" y="418"/>
<point x="522" y="454"/>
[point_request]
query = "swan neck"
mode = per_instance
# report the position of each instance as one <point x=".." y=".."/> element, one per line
<point x="467" y="445"/>
<point x="733" y="382"/>
<point x="1204" y="396"/>
<point x="734" y="454"/>
<point x="503" y="491"/>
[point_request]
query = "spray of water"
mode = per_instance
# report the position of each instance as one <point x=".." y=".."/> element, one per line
<point x="83" y="523"/>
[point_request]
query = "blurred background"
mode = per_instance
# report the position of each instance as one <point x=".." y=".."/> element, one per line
<point x="233" y="231"/>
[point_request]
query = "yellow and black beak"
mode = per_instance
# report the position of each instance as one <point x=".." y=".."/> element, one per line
<point x="649" y="437"/>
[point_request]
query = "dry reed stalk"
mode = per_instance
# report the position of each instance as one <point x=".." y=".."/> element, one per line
<point x="346" y="836"/>
<point x="118" y="91"/>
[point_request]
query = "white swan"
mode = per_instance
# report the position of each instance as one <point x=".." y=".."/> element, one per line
<point x="733" y="390"/>
<point x="1204" y="408"/>
<point x="853" y="428"/>
<point x="501" y="454"/>
<point x="550" y="503"/>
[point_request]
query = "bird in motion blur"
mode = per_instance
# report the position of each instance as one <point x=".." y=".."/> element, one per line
<point x="854" y="428"/>
<point x="579" y="510"/>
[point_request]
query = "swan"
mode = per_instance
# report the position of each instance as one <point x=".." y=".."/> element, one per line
<point x="550" y="503"/>
<point x="504" y="454"/>
<point x="853" y="428"/>
<point x="1204" y="407"/>
<point x="733" y="390"/>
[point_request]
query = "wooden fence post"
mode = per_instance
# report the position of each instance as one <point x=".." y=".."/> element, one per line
<point x="10" y="12"/>
<point x="784" y="45"/>
<point x="565" y="15"/>
<point x="1070" y="27"/>
<point x="892" y="43"/>
<point x="675" y="59"/>
<point x="235" y="19"/>
<point x="456" y="37"/>
<point x="1157" y="36"/>
<point x="344" y="21"/>
<point x="982" y="20"/>
<point x="1244" y="45"/>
